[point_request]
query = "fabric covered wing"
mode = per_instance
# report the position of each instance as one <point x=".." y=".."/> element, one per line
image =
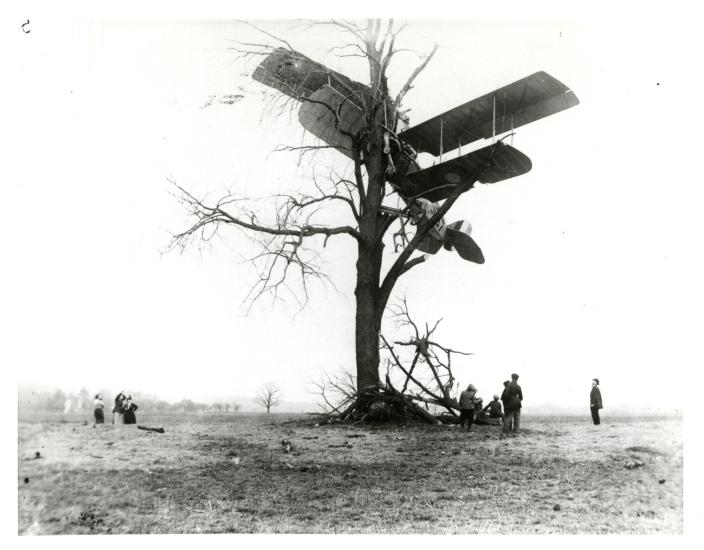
<point x="527" y="100"/>
<point x="317" y="115"/>
<point x="437" y="182"/>
<point x="296" y="75"/>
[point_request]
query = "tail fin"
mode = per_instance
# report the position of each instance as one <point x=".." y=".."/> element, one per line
<point x="457" y="237"/>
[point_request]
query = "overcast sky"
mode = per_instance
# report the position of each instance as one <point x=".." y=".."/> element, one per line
<point x="591" y="264"/>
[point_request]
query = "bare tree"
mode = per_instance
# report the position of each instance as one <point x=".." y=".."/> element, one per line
<point x="269" y="395"/>
<point x="289" y="242"/>
<point x="336" y="392"/>
<point x="426" y="366"/>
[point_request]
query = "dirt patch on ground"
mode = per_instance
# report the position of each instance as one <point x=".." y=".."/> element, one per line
<point x="235" y="475"/>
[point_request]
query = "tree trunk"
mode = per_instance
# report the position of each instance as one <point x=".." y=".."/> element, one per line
<point x="368" y="320"/>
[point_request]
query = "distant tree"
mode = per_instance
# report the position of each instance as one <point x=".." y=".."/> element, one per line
<point x="218" y="407"/>
<point x="236" y="407"/>
<point x="187" y="406"/>
<point x="269" y="395"/>
<point x="83" y="400"/>
<point x="57" y="401"/>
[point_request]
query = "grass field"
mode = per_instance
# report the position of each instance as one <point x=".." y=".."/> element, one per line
<point x="232" y="475"/>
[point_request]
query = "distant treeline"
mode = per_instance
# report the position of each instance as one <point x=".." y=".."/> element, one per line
<point x="59" y="401"/>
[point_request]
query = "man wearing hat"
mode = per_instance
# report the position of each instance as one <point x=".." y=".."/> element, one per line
<point x="512" y="409"/>
<point x="505" y="396"/>
<point x="595" y="401"/>
<point x="467" y="406"/>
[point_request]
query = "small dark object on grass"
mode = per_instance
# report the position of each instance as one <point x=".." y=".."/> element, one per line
<point x="557" y="507"/>
<point x="37" y="455"/>
<point x="147" y="428"/>
<point x="661" y="481"/>
<point x="26" y="480"/>
<point x="356" y="435"/>
<point x="286" y="445"/>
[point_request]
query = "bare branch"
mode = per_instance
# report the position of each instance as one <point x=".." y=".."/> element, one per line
<point x="409" y="83"/>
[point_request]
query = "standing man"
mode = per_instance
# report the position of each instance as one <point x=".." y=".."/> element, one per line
<point x="504" y="399"/>
<point x="512" y="409"/>
<point x="467" y="406"/>
<point x="595" y="401"/>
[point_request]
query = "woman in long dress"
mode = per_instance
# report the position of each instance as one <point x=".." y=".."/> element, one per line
<point x="98" y="407"/>
<point x="129" y="408"/>
<point x="118" y="410"/>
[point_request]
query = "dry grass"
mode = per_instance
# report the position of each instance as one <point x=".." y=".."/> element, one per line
<point x="230" y="474"/>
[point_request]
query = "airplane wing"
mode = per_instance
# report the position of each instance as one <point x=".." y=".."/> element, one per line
<point x="315" y="116"/>
<point x="437" y="182"/>
<point x="527" y="100"/>
<point x="296" y="75"/>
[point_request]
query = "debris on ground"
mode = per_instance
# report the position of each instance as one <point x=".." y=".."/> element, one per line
<point x="286" y="446"/>
<point x="147" y="428"/>
<point x="346" y="445"/>
<point x="634" y="463"/>
<point x="352" y="436"/>
<point x="557" y="508"/>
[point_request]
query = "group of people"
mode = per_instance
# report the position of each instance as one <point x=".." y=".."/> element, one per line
<point x="122" y="413"/>
<point x="471" y="406"/>
<point x="472" y="409"/>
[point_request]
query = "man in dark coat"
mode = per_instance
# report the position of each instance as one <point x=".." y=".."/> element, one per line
<point x="504" y="399"/>
<point x="512" y="408"/>
<point x="467" y="406"/>
<point x="595" y="401"/>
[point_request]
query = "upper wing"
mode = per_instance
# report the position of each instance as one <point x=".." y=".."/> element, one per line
<point x="296" y="75"/>
<point x="319" y="114"/>
<point x="529" y="99"/>
<point x="437" y="182"/>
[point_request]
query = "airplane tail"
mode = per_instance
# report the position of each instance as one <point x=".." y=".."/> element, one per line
<point x="457" y="236"/>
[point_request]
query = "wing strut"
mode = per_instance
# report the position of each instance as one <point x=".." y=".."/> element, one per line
<point x="441" y="127"/>
<point x="493" y="123"/>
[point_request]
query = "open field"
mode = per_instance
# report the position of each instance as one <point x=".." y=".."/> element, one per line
<point x="232" y="474"/>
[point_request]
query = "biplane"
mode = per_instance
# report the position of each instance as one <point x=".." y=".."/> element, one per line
<point x="332" y="109"/>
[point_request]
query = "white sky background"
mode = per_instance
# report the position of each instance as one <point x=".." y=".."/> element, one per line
<point x="590" y="268"/>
